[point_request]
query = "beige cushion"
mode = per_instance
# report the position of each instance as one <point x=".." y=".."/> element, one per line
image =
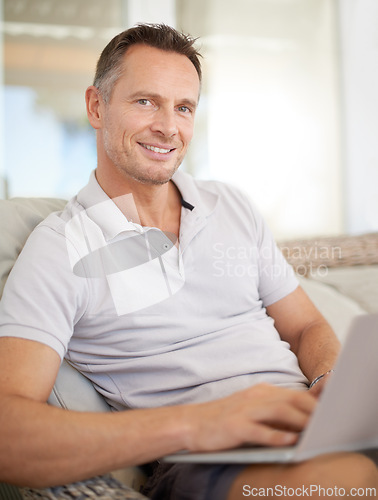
<point x="359" y="283"/>
<point x="342" y="274"/>
<point x="337" y="309"/>
<point x="18" y="217"/>
<point x="73" y="391"/>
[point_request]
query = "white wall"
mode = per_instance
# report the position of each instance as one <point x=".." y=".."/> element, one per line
<point x="359" y="52"/>
<point x="151" y="11"/>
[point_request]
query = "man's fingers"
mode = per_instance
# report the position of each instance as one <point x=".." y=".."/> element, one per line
<point x="286" y="417"/>
<point x="263" y="414"/>
<point x="277" y="421"/>
<point x="293" y="414"/>
<point x="268" y="436"/>
<point x="284" y="410"/>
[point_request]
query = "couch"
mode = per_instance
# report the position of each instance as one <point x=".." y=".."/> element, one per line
<point x="339" y="274"/>
<point x="72" y="391"/>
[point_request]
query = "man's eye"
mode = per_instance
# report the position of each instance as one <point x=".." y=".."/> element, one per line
<point x="144" y="102"/>
<point x="184" y="109"/>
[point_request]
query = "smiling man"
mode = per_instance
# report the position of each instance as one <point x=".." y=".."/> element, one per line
<point x="145" y="127"/>
<point x="122" y="283"/>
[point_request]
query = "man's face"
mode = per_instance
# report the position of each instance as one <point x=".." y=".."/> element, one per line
<point x="148" y="123"/>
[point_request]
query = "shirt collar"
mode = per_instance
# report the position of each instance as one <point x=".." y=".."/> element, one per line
<point x="196" y="194"/>
<point x="105" y="213"/>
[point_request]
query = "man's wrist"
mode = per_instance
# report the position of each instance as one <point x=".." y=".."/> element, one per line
<point x="317" y="379"/>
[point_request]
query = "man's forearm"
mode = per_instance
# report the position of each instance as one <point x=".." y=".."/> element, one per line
<point x="317" y="349"/>
<point x="310" y="336"/>
<point x="46" y="446"/>
<point x="41" y="445"/>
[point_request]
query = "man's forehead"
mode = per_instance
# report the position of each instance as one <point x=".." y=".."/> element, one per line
<point x="154" y="67"/>
<point x="144" y="50"/>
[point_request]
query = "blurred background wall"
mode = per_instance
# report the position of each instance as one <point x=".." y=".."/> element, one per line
<point x="288" y="111"/>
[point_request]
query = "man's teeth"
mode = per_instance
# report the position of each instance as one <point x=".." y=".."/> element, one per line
<point x="156" y="150"/>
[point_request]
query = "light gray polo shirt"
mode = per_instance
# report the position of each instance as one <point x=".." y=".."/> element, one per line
<point x="149" y="321"/>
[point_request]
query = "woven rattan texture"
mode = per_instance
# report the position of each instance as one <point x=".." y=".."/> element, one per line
<point x="99" y="488"/>
<point x="307" y="254"/>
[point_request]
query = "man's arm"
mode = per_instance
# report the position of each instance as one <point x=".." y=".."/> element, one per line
<point x="41" y="445"/>
<point x="310" y="336"/>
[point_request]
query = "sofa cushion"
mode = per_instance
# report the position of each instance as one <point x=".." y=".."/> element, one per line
<point x="73" y="391"/>
<point x="359" y="283"/>
<point x="18" y="217"/>
<point x="337" y="309"/>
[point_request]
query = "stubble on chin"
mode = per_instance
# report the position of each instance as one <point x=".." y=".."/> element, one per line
<point x="132" y="168"/>
<point x="152" y="178"/>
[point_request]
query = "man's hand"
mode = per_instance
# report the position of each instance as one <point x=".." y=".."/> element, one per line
<point x="262" y="414"/>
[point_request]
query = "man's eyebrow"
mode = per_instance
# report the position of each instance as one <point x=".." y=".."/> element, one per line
<point x="142" y="94"/>
<point x="189" y="102"/>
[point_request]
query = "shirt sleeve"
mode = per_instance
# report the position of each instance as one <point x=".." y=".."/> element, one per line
<point x="43" y="299"/>
<point x="276" y="276"/>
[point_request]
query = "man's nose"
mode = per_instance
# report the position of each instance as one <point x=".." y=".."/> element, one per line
<point x="165" y="122"/>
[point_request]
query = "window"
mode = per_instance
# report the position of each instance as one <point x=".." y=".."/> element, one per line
<point x="50" y="53"/>
<point x="288" y="109"/>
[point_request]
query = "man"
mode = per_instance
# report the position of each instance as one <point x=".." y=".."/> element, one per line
<point x="125" y="283"/>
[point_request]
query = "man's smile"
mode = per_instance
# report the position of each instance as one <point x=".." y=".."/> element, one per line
<point x="156" y="149"/>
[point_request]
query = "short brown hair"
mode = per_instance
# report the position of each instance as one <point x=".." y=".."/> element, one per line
<point x="160" y="36"/>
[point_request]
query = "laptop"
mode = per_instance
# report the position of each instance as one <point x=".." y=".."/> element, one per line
<point x="345" y="419"/>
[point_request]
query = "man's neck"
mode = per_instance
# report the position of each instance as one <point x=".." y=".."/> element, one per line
<point x="146" y="204"/>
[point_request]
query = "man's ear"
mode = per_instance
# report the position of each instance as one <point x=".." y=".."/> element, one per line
<point x="94" y="104"/>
